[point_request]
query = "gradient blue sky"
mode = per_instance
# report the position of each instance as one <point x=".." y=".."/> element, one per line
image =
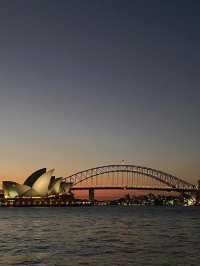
<point x="87" y="83"/>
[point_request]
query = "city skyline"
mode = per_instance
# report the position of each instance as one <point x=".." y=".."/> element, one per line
<point x="91" y="83"/>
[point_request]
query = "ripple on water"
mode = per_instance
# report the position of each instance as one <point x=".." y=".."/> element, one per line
<point x="100" y="236"/>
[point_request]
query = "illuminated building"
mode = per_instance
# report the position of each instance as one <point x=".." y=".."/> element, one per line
<point x="41" y="183"/>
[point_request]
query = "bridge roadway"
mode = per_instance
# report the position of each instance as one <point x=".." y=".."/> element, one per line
<point x="134" y="188"/>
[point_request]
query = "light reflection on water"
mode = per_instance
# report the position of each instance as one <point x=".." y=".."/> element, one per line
<point x="100" y="236"/>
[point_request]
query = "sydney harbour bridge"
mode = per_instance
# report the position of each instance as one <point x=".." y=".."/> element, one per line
<point x="127" y="177"/>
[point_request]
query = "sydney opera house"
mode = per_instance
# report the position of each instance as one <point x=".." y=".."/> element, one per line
<point x="41" y="183"/>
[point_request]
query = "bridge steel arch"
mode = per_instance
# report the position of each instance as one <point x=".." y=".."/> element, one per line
<point x="171" y="181"/>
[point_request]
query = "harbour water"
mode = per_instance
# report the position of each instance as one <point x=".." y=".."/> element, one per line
<point x="100" y="236"/>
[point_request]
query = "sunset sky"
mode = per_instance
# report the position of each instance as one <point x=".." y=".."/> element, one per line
<point x="90" y="83"/>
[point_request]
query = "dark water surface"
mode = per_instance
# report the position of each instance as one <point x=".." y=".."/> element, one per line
<point x="100" y="236"/>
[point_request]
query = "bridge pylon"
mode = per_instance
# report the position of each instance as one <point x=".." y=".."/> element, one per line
<point x="198" y="193"/>
<point x="91" y="195"/>
<point x="198" y="186"/>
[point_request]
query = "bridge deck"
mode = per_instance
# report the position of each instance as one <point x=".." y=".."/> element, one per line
<point x="135" y="188"/>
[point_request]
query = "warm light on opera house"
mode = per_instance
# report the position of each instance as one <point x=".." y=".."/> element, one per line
<point x="41" y="183"/>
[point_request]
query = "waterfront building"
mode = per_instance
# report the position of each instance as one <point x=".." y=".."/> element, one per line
<point x="41" y="183"/>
